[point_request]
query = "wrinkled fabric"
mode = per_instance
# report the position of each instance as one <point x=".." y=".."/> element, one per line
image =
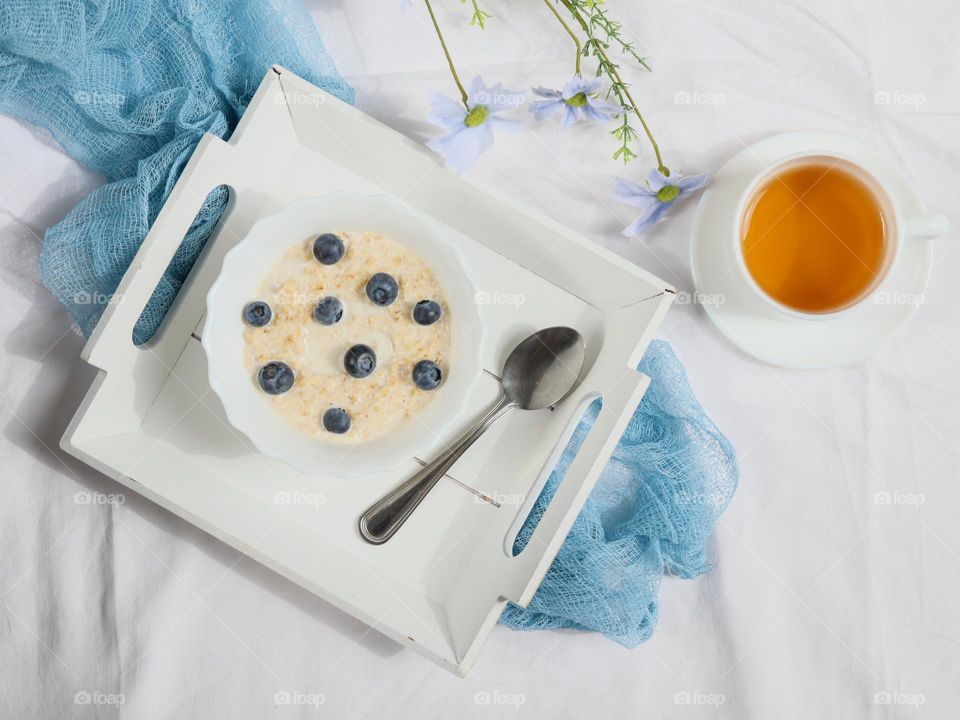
<point x="668" y="480"/>
<point x="128" y="87"/>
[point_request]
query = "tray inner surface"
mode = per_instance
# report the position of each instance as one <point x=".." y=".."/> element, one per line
<point x="151" y="421"/>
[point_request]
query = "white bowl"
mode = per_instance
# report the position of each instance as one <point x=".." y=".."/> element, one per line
<point x="248" y="408"/>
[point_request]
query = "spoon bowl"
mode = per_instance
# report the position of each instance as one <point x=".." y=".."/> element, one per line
<point x="544" y="368"/>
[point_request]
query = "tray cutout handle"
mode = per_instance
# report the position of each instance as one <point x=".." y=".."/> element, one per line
<point x="111" y="343"/>
<point x="544" y="489"/>
<point x="620" y="400"/>
<point x="217" y="199"/>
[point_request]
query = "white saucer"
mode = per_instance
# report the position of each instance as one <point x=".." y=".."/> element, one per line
<point x="759" y="329"/>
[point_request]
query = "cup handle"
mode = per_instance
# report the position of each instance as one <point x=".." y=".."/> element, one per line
<point x="926" y="226"/>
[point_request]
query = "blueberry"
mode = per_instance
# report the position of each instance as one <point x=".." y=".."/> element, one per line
<point x="426" y="375"/>
<point x="382" y="289"/>
<point x="328" y="249"/>
<point x="275" y="377"/>
<point x="427" y="312"/>
<point x="328" y="311"/>
<point x="337" y="421"/>
<point x="257" y="313"/>
<point x="360" y="361"/>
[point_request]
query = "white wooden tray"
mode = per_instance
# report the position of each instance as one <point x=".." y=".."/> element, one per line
<point x="151" y="422"/>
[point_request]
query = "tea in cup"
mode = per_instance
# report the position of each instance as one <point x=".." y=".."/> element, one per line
<point x="818" y="234"/>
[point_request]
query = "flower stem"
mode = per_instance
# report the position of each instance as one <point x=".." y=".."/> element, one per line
<point x="569" y="30"/>
<point x="443" y="44"/>
<point x="612" y="70"/>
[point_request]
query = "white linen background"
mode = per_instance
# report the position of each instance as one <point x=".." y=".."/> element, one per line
<point x="821" y="598"/>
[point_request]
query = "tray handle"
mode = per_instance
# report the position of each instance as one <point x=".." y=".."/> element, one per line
<point x="532" y="563"/>
<point x="111" y="342"/>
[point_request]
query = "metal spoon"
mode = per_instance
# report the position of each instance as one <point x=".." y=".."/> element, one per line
<point x="539" y="373"/>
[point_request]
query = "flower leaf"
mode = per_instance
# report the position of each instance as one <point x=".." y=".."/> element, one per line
<point x="479" y="17"/>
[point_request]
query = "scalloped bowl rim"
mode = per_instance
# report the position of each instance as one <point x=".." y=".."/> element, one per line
<point x="248" y="409"/>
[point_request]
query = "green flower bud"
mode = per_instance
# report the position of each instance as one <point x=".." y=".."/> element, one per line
<point x="477" y="115"/>
<point x="668" y="193"/>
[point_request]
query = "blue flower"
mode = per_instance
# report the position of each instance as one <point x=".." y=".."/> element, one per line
<point x="579" y="100"/>
<point x="656" y="198"/>
<point x="470" y="128"/>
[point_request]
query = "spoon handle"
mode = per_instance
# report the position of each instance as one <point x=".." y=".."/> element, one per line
<point x="382" y="519"/>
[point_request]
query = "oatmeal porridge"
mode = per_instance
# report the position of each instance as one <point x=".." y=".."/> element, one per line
<point x="348" y="336"/>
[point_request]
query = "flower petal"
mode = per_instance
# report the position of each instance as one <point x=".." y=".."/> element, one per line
<point x="608" y="108"/>
<point x="491" y="97"/>
<point x="631" y="193"/>
<point x="461" y="149"/>
<point x="546" y="92"/>
<point x="543" y="109"/>
<point x="476" y="86"/>
<point x="591" y="112"/>
<point x="592" y="87"/>
<point x="569" y="116"/>
<point x="446" y="112"/>
<point x="574" y="85"/>
<point x="657" y="180"/>
<point x="650" y="215"/>
<point x="689" y="183"/>
<point x="495" y="97"/>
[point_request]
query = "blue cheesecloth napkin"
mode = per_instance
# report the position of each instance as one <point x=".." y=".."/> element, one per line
<point x="128" y="87"/>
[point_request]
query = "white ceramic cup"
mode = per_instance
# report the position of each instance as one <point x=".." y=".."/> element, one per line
<point x="897" y="228"/>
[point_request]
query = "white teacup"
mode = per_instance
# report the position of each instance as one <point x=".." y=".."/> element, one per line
<point x="897" y="228"/>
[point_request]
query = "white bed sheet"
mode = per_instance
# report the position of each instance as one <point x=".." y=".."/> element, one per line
<point x="824" y="602"/>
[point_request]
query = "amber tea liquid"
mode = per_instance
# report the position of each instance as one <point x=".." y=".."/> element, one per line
<point x="814" y="238"/>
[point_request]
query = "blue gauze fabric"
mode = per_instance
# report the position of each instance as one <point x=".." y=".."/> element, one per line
<point x="128" y="87"/>
<point x="668" y="480"/>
